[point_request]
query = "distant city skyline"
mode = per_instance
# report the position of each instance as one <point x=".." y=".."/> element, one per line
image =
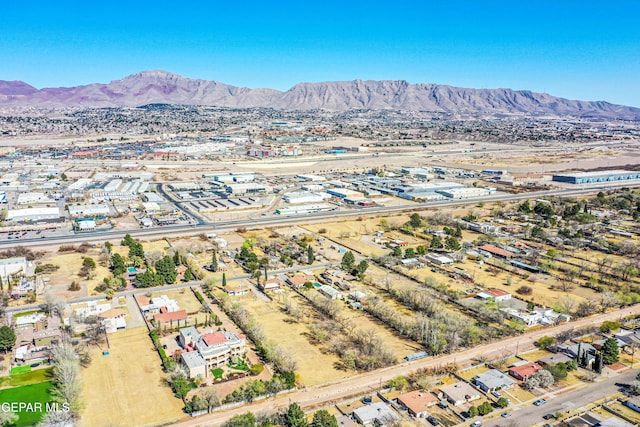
<point x="582" y="50"/>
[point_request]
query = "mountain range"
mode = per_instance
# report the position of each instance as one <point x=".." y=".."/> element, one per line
<point x="161" y="87"/>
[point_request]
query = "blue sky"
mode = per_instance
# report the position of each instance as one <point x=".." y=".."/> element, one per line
<point x="576" y="49"/>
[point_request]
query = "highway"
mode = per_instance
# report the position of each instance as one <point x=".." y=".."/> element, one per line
<point x="361" y="384"/>
<point x="277" y="220"/>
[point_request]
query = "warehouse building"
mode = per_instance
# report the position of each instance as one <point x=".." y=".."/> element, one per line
<point x="465" y="193"/>
<point x="245" y="188"/>
<point x="597" y="177"/>
<point x="305" y="197"/>
<point x="33" y="214"/>
<point x="305" y="209"/>
<point x="99" y="209"/>
<point x="343" y="193"/>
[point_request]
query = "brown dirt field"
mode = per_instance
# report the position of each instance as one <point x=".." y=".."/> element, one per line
<point x="127" y="387"/>
<point x="535" y="355"/>
<point x="314" y="367"/>
<point x="70" y="264"/>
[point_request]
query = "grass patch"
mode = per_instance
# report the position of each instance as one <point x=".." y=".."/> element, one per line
<point x="26" y="378"/>
<point x="20" y="369"/>
<point x="217" y="373"/>
<point x="240" y="366"/>
<point x="35" y="394"/>
<point x="26" y="313"/>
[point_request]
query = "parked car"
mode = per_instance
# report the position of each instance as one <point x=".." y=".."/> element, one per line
<point x="433" y="420"/>
<point x="506" y="415"/>
<point x="476" y="424"/>
<point x="496" y="394"/>
<point x="548" y="416"/>
<point x="539" y="402"/>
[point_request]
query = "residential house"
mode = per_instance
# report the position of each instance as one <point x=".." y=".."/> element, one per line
<point x="330" y="292"/>
<point x="554" y="358"/>
<point x="378" y="413"/>
<point x="459" y="393"/>
<point x="209" y="350"/>
<point x="438" y="259"/>
<point x="237" y="289"/>
<point x="272" y="285"/>
<point x="416" y="402"/>
<point x="579" y="352"/>
<point x="492" y="380"/>
<point x="497" y="295"/>
<point x="113" y="320"/>
<point x="155" y="304"/>
<point x="345" y="421"/>
<point x="524" y="371"/>
<point x="539" y="316"/>
<point x="298" y="280"/>
<point x="496" y="251"/>
<point x="170" y="317"/>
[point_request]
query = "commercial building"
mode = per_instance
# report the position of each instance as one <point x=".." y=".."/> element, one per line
<point x="245" y="188"/>
<point x="305" y="209"/>
<point x="344" y="193"/>
<point x="597" y="177"/>
<point x="305" y="197"/>
<point x="33" y="198"/>
<point x="465" y="193"/>
<point x="96" y="209"/>
<point x="33" y="214"/>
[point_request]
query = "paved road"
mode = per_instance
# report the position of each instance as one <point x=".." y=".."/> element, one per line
<point x="277" y="220"/>
<point x="324" y="394"/>
<point x="529" y="414"/>
<point x="169" y="287"/>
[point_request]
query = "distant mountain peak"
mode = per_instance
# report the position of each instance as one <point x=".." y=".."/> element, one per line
<point x="163" y="87"/>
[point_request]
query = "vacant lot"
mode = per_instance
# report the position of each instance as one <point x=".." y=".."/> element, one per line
<point x="314" y="366"/>
<point x="34" y="393"/>
<point x="127" y="387"/>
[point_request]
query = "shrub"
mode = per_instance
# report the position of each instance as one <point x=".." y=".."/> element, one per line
<point x="525" y="290"/>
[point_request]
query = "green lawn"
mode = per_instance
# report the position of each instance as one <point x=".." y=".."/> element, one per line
<point x="26" y="378"/>
<point x="34" y="393"/>
<point x="19" y="369"/>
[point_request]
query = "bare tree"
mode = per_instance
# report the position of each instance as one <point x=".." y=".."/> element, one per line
<point x="607" y="300"/>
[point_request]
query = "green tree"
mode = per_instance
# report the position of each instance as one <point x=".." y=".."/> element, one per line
<point x="148" y="279"/>
<point x="188" y="275"/>
<point x="224" y="280"/>
<point x="214" y="261"/>
<point x="473" y="412"/>
<point x="409" y="253"/>
<point x="166" y="269"/>
<point x="609" y="325"/>
<point x="89" y="263"/>
<point x="485" y="408"/>
<point x="546" y="342"/>
<point x="295" y="416"/>
<point x="310" y="255"/>
<point x="421" y="250"/>
<point x="117" y="264"/>
<point x="415" y="221"/>
<point x="348" y="261"/>
<point x="7" y="338"/>
<point x="525" y="207"/>
<point x="558" y="370"/>
<point x="243" y="420"/>
<point x="396" y="252"/>
<point x="610" y="351"/>
<point x="181" y="387"/>
<point x="502" y="403"/>
<point x="436" y="243"/>
<point x="361" y="268"/>
<point x="452" y="243"/>
<point x="323" y="418"/>
<point x="108" y="246"/>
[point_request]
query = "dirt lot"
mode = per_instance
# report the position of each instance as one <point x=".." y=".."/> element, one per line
<point x="133" y="369"/>
<point x="69" y="264"/>
<point x="314" y="367"/>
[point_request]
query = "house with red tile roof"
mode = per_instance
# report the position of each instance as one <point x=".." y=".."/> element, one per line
<point x="499" y="252"/>
<point x="209" y="350"/>
<point x="524" y="371"/>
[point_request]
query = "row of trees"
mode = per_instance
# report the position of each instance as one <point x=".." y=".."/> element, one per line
<point x="294" y="416"/>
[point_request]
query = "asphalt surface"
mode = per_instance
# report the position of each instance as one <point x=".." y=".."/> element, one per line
<point x="366" y="383"/>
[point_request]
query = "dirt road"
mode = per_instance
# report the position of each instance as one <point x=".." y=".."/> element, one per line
<point x="324" y="394"/>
